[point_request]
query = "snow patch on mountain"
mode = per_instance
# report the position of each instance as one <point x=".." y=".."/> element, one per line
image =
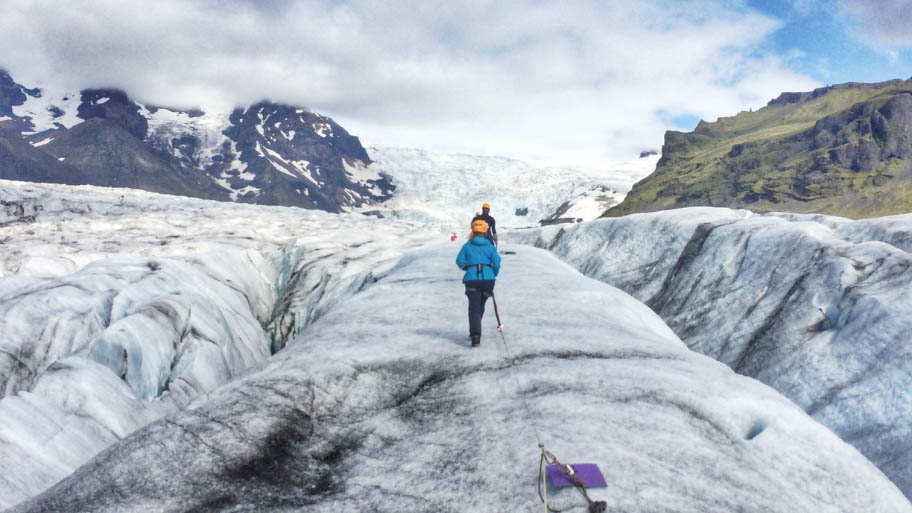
<point x="366" y="175"/>
<point x="49" y="109"/>
<point x="323" y="129"/>
<point x="42" y="142"/>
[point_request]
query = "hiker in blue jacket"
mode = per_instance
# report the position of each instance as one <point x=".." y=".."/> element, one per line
<point x="479" y="259"/>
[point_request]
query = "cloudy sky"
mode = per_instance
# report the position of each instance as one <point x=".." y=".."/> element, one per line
<point x="561" y="81"/>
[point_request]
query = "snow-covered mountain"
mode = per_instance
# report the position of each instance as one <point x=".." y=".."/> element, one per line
<point x="123" y="307"/>
<point x="817" y="307"/>
<point x="265" y="153"/>
<point x="275" y="154"/>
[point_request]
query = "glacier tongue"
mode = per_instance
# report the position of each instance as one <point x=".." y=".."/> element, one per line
<point x="395" y="413"/>
<point x="447" y="189"/>
<point x="818" y="307"/>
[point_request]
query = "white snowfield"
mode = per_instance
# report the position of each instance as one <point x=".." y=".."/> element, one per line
<point x="39" y="109"/>
<point x="817" y="307"/>
<point x="145" y="381"/>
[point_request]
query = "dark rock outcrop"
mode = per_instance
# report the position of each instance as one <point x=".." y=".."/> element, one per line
<point x="13" y="95"/>
<point x="20" y="161"/>
<point x="113" y="105"/>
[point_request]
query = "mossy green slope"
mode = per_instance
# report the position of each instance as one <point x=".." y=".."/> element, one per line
<point x="842" y="150"/>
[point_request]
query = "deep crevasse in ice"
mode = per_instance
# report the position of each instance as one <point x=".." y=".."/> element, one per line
<point x="223" y="291"/>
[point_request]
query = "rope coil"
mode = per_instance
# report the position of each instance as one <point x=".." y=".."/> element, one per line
<point x="547" y="458"/>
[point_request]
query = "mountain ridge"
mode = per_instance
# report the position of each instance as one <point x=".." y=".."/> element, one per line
<point x="839" y="150"/>
<point x="299" y="158"/>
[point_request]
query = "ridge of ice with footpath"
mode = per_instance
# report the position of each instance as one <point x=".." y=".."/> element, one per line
<point x="818" y="307"/>
<point x="394" y="413"/>
<point x="377" y="404"/>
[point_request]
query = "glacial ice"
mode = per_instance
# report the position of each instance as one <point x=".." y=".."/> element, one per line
<point x="81" y="294"/>
<point x="817" y="307"/>
<point x="395" y="413"/>
<point x="446" y="190"/>
<point x="168" y="397"/>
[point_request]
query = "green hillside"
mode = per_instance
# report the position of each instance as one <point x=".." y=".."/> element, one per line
<point x="844" y="150"/>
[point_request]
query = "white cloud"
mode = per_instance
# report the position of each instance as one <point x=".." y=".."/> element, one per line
<point x="551" y="80"/>
<point x="883" y="24"/>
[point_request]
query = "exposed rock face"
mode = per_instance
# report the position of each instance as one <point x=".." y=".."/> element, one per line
<point x="20" y="161"/>
<point x="843" y="150"/>
<point x="786" y="98"/>
<point x="10" y="94"/>
<point x="13" y="95"/>
<point x="113" y="105"/>
<point x="109" y="154"/>
<point x="267" y="153"/>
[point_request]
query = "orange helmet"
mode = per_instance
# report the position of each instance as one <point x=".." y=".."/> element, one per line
<point x="480" y="226"/>
<point x="487" y="206"/>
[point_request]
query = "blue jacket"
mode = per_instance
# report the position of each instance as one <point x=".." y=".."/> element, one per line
<point x="479" y="250"/>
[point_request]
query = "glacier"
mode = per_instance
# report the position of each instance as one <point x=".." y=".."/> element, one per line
<point x="171" y="354"/>
<point x="445" y="190"/>
<point x="817" y="307"/>
<point x="83" y="300"/>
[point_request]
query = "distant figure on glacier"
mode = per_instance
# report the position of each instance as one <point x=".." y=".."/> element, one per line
<point x="485" y="216"/>
<point x="479" y="259"/>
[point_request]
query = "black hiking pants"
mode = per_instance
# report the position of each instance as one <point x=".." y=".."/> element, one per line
<point x="478" y="292"/>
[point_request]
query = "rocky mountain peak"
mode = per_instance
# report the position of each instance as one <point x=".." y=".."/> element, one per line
<point x="11" y="94"/>
<point x="295" y="129"/>
<point x="269" y="153"/>
<point x="113" y="105"/>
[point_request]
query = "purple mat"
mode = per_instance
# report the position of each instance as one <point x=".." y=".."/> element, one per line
<point x="589" y="473"/>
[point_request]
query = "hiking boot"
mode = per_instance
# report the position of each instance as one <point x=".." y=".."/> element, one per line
<point x="476" y="340"/>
